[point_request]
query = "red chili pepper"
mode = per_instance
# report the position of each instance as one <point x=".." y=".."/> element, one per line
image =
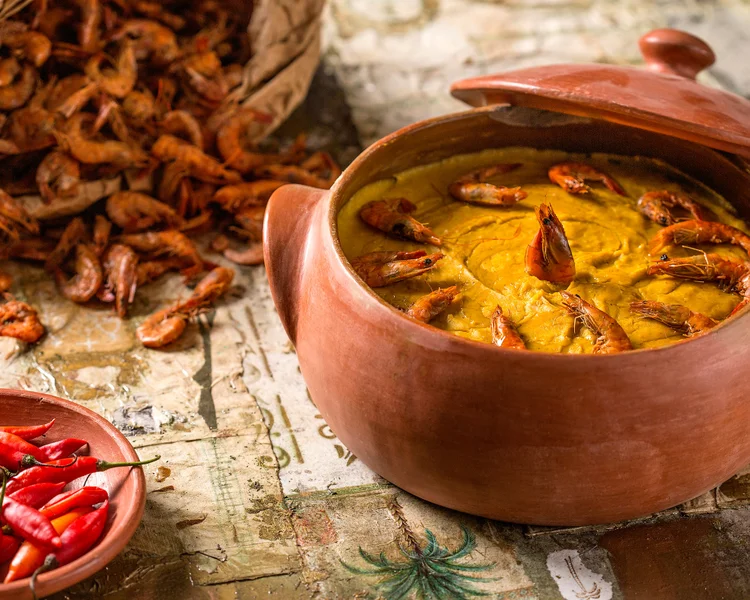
<point x="27" y="522"/>
<point x="37" y="495"/>
<point x="67" y="470"/>
<point x="29" y="558"/>
<point x="13" y="449"/>
<point x="39" y="474"/>
<point x="62" y="449"/>
<point x="8" y="547"/>
<point x="85" y="496"/>
<point x="29" y="433"/>
<point x="18" y="462"/>
<point x="81" y="535"/>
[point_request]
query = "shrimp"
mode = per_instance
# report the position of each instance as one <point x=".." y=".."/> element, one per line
<point x="156" y="12"/>
<point x="60" y="170"/>
<point x="504" y="332"/>
<point x="87" y="279"/>
<point x="50" y="21"/>
<point x="231" y="145"/>
<point x="73" y="234"/>
<point x="31" y="46"/>
<point x="201" y="166"/>
<point x="210" y="37"/>
<point x="15" y="95"/>
<point x="102" y="229"/>
<point x="134" y="211"/>
<point x="150" y="39"/>
<point x="610" y="336"/>
<point x="153" y="269"/>
<point x="252" y="255"/>
<point x="9" y="68"/>
<point x="165" y="326"/>
<point x="117" y="83"/>
<point x="8" y="147"/>
<point x="699" y="232"/>
<point x="392" y="217"/>
<point x="171" y="242"/>
<point x="32" y="128"/>
<point x="211" y="90"/>
<point x="293" y="174"/>
<point x="121" y="277"/>
<point x="320" y="163"/>
<point x="14" y="218"/>
<point x="430" y="306"/>
<point x="171" y="179"/>
<point x="250" y="219"/>
<point x="379" y="269"/>
<point x="220" y="243"/>
<point x="233" y="198"/>
<point x="730" y="275"/>
<point x="656" y="206"/>
<point x="65" y="88"/>
<point x="88" y="29"/>
<point x="207" y="64"/>
<point x="675" y="316"/>
<point x="571" y="176"/>
<point x="202" y="194"/>
<point x="19" y="320"/>
<point x="168" y="89"/>
<point x="138" y="106"/>
<point x="6" y="282"/>
<point x="93" y="152"/>
<point x="161" y="328"/>
<point x="473" y="187"/>
<point x="178" y="122"/>
<point x="209" y="289"/>
<point x="233" y="75"/>
<point x="549" y="256"/>
<point x="36" y="249"/>
<point x="20" y="187"/>
<point x="109" y="112"/>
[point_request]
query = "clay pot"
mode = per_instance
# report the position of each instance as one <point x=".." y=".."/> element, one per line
<point x="550" y="439"/>
<point x="126" y="487"/>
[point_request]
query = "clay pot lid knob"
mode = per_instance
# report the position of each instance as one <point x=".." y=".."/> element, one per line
<point x="676" y="52"/>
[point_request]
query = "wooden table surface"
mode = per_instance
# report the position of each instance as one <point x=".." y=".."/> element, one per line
<point x="255" y="496"/>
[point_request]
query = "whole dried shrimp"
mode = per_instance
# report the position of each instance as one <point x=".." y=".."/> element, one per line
<point x="91" y="89"/>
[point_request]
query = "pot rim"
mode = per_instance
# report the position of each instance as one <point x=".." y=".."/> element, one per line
<point x="424" y="330"/>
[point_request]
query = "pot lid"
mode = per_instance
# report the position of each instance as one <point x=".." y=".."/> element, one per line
<point x="664" y="97"/>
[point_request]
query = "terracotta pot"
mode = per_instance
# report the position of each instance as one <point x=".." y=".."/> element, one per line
<point x="126" y="487"/>
<point x="530" y="437"/>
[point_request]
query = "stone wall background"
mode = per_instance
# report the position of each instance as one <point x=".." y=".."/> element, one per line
<point x="395" y="59"/>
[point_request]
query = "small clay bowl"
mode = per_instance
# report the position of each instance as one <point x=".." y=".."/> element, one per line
<point x="126" y="486"/>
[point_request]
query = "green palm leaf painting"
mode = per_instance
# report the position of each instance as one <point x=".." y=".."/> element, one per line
<point x="432" y="572"/>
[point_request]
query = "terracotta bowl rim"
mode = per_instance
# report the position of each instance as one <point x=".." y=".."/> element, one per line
<point x="117" y="537"/>
<point x="426" y="332"/>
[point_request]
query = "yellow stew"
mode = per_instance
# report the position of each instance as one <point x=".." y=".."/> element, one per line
<point x="485" y="247"/>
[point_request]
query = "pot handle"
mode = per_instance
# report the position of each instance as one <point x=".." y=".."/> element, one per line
<point x="286" y="229"/>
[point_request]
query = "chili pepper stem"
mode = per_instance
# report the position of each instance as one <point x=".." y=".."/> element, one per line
<point x="104" y="465"/>
<point x="49" y="563"/>
<point x="5" y="483"/>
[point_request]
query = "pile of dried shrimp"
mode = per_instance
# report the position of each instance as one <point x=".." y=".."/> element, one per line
<point x="90" y="89"/>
